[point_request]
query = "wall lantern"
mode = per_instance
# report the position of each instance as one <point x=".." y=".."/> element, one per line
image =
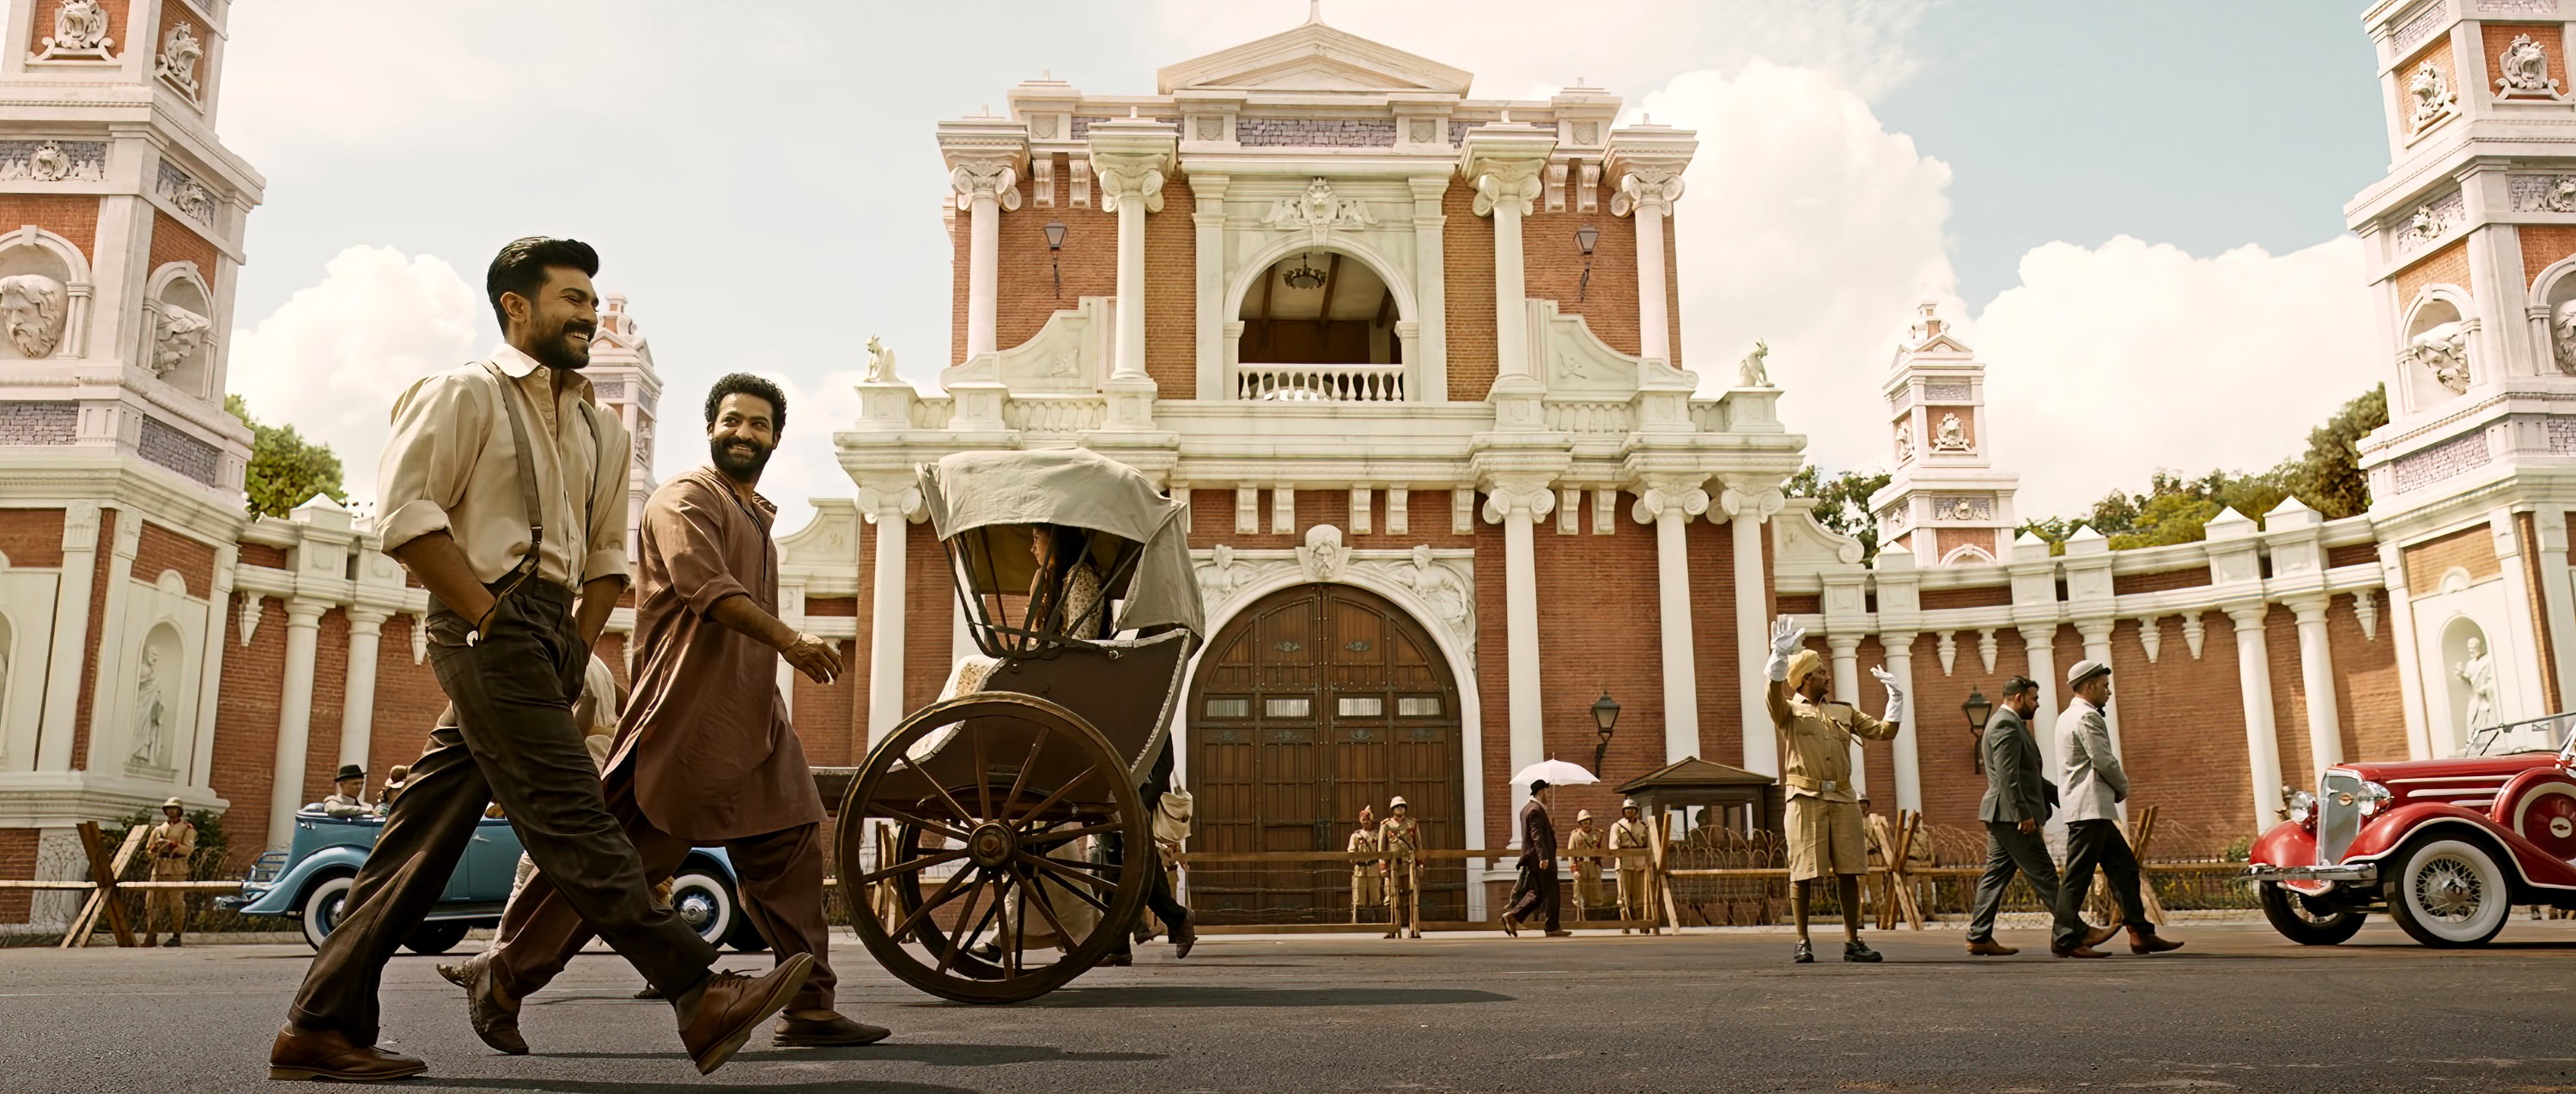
<point x="1585" y="237"/>
<point x="1605" y="717"/>
<point x="1978" y="711"/>
<point x="1055" y="244"/>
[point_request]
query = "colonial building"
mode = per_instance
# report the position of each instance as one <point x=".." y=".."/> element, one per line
<point x="1413" y="358"/>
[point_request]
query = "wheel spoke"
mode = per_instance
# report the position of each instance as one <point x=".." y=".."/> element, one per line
<point x="983" y="782"/>
<point x="944" y="795"/>
<point x="1062" y="836"/>
<point x="1047" y="911"/>
<point x="913" y="866"/>
<point x="947" y="892"/>
<point x="908" y="815"/>
<point x="958" y="942"/>
<point x="1021" y="779"/>
<point x="1062" y="870"/>
<point x="1059" y="794"/>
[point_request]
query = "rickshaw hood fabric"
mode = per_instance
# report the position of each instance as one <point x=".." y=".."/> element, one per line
<point x="1075" y="488"/>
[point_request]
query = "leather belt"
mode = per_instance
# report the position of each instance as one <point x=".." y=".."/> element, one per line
<point x="1820" y="786"/>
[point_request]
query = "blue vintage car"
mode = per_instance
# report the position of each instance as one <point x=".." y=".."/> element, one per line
<point x="309" y="882"/>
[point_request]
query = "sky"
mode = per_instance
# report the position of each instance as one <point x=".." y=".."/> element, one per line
<point x="2135" y="221"/>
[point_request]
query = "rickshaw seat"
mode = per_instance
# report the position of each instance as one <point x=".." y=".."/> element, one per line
<point x="1126" y="689"/>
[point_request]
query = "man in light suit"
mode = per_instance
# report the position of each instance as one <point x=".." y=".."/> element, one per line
<point x="2017" y="800"/>
<point x="2095" y="787"/>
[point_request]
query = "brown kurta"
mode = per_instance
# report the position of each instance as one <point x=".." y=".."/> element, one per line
<point x="706" y="733"/>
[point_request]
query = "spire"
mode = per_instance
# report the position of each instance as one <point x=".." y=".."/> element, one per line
<point x="1314" y="13"/>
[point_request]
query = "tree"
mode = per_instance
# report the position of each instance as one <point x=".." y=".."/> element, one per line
<point x="2328" y="478"/>
<point x="2174" y="509"/>
<point x="1842" y="502"/>
<point x="284" y="470"/>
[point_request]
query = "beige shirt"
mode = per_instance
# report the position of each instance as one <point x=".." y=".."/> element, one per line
<point x="1815" y="743"/>
<point x="450" y="464"/>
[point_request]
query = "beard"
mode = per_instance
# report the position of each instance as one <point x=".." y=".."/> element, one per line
<point x="558" y="349"/>
<point x="729" y="458"/>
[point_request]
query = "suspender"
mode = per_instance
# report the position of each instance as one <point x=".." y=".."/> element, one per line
<point x="528" y="477"/>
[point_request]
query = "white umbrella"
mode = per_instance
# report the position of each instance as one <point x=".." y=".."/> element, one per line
<point x="1554" y="773"/>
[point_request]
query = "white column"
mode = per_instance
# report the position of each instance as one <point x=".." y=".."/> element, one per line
<point x="1747" y="503"/>
<point x="1670" y="505"/>
<point x="112" y="692"/>
<point x="1207" y="224"/>
<point x="294" y="717"/>
<point x="2558" y="592"/>
<point x="1431" y="295"/>
<point x="1648" y="193"/>
<point x="1518" y="506"/>
<point x="1130" y="155"/>
<point x="53" y="744"/>
<point x="2262" y="737"/>
<point x="983" y="258"/>
<point x="2096" y="634"/>
<point x="1845" y="653"/>
<point x="2040" y="650"/>
<point x="1130" y="360"/>
<point x="985" y="156"/>
<point x="2317" y="679"/>
<point x="889" y="509"/>
<point x="1509" y="199"/>
<point x="1909" y="759"/>
<point x="358" y="689"/>
<point x="210" y="670"/>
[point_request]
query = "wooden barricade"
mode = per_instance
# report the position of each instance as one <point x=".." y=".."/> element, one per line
<point x="1213" y="858"/>
<point x="102" y="873"/>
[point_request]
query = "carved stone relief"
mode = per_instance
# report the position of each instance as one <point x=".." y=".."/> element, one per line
<point x="2523" y="71"/>
<point x="178" y="336"/>
<point x="1964" y="509"/>
<point x="186" y="193"/>
<point x="53" y="161"/>
<point x="2562" y="336"/>
<point x="80" y="34"/>
<point x="2443" y="348"/>
<point x="32" y="307"/>
<point x="1319" y="210"/>
<point x="1423" y="131"/>
<point x="179" y="55"/>
<point x="1951" y="435"/>
<point x="2431" y="91"/>
<point x="1904" y="442"/>
<point x="1440" y="584"/>
<point x="2542" y="193"/>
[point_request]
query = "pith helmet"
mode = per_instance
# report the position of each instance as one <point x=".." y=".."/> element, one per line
<point x="174" y="803"/>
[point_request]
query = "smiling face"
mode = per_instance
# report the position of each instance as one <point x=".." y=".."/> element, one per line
<point x="743" y="436"/>
<point x="556" y="326"/>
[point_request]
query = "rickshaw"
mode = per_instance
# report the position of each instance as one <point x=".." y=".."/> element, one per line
<point x="1017" y="849"/>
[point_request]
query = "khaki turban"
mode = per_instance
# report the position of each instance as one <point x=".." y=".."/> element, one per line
<point x="1801" y="663"/>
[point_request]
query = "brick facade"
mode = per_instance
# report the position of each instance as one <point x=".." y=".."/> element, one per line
<point x="71" y="216"/>
<point x="2445" y="265"/>
<point x="1467" y="265"/>
<point x="2471" y="549"/>
<point x="32" y="537"/>
<point x="174" y="240"/>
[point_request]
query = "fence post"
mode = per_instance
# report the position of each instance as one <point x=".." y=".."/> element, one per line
<point x="1661" y="864"/>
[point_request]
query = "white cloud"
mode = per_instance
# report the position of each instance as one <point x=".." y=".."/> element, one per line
<point x="332" y="358"/>
<point x="2107" y="363"/>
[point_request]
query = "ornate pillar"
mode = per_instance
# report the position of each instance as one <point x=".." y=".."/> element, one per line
<point x="891" y="507"/>
<point x="1518" y="503"/>
<point x="1669" y="502"/>
<point x="2415" y="699"/>
<point x="985" y="157"/>
<point x="2096" y="634"/>
<point x="1207" y="223"/>
<point x="1648" y="161"/>
<point x="1503" y="161"/>
<point x="1909" y="758"/>
<point x="1748" y="502"/>
<point x="1130" y="155"/>
<point x="199" y="770"/>
<point x="1430" y="293"/>
<point x="2039" y="649"/>
<point x="2317" y="680"/>
<point x="358" y="690"/>
<point x="52" y="747"/>
<point x="2262" y="737"/>
<point x="294" y="716"/>
<point x="1845" y="656"/>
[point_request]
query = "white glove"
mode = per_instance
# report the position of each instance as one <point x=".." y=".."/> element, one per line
<point x="1895" y="695"/>
<point x="1787" y="637"/>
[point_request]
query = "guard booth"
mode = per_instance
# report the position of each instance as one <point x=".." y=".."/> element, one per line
<point x="1708" y="795"/>
<point x="1724" y="818"/>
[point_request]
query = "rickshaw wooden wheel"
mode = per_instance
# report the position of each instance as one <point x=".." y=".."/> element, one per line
<point x="1001" y="841"/>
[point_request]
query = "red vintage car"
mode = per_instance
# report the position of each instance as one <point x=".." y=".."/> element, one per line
<point x="2445" y="847"/>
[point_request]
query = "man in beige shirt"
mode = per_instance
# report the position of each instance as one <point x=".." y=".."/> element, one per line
<point x="1815" y="769"/>
<point x="172" y="843"/>
<point x="503" y="491"/>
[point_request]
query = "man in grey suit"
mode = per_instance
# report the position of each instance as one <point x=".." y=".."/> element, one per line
<point x="2017" y="800"/>
<point x="2095" y="787"/>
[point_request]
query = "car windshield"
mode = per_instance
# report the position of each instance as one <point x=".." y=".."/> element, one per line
<point x="2557" y="732"/>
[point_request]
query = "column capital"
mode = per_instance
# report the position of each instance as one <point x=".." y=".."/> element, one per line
<point x="1131" y="155"/>
<point x="1661" y="495"/>
<point x="1843" y="645"/>
<point x="2247" y="615"/>
<point x="306" y="611"/>
<point x="2097" y="629"/>
<point x="880" y="501"/>
<point x="367" y="619"/>
<point x="2310" y="609"/>
<point x="985" y="157"/>
<point x="985" y="180"/>
<point x="1503" y="160"/>
<point x="1647" y="161"/>
<point x="1507" y="495"/>
<point x="1754" y="497"/>
<point x="2038" y="634"/>
<point x="1899" y="645"/>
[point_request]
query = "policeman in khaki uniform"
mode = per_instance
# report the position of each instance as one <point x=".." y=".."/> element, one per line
<point x="1815" y="767"/>
<point x="171" y="844"/>
<point x="1587" y="870"/>
<point x="1400" y="836"/>
<point x="1368" y="876"/>
<point x="1632" y="837"/>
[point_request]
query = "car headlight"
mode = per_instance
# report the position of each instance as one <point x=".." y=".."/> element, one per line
<point x="2303" y="806"/>
<point x="2373" y="797"/>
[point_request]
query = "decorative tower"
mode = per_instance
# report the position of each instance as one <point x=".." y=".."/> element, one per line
<point x="2470" y="243"/>
<point x="621" y="372"/>
<point x="1945" y="504"/>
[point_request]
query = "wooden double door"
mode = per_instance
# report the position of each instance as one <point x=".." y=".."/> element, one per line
<point x="1311" y="703"/>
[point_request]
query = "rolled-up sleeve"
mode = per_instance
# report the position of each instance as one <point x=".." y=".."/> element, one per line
<point x="428" y="457"/>
<point x="687" y="530"/>
<point x="607" y="546"/>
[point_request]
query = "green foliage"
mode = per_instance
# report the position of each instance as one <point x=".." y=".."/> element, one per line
<point x="284" y="471"/>
<point x="2326" y="478"/>
<point x="1842" y="502"/>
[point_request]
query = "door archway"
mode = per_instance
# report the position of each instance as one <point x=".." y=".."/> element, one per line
<point x="1313" y="701"/>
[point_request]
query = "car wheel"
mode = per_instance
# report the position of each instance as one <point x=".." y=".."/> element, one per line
<point x="323" y="904"/>
<point x="705" y="903"/>
<point x="436" y="936"/>
<point x="2303" y="922"/>
<point x="2448" y="893"/>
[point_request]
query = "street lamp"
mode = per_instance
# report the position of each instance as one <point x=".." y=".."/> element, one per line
<point x="1605" y="716"/>
<point x="1978" y="711"/>
<point x="1585" y="237"/>
<point x="1055" y="245"/>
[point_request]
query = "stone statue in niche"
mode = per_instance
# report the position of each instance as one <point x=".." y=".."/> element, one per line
<point x="182" y="333"/>
<point x="152" y="716"/>
<point x="1218" y="579"/>
<point x="1752" y="371"/>
<point x="1323" y="555"/>
<point x="2562" y="336"/>
<point x="179" y="54"/>
<point x="1951" y="435"/>
<point x="2524" y="71"/>
<point x="2432" y="93"/>
<point x="1438" y="588"/>
<point x="2444" y="348"/>
<point x="2478" y="672"/>
<point x="31" y="307"/>
<point x="880" y="362"/>
<point x="80" y="33"/>
<point x="1904" y="442"/>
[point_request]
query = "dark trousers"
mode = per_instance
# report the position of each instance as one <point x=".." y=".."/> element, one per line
<point x="514" y="743"/>
<point x="1540" y="895"/>
<point x="2009" y="851"/>
<point x="778" y="877"/>
<point x="1159" y="900"/>
<point x="2091" y="843"/>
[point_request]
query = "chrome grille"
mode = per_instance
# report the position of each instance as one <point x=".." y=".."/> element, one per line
<point x="2338" y="815"/>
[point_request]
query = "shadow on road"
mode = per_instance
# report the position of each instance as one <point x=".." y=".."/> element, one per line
<point x="927" y="1053"/>
<point x="561" y="1086"/>
<point x="1256" y="997"/>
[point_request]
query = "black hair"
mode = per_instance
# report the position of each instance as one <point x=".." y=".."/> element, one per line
<point x="1537" y="785"/>
<point x="522" y="264"/>
<point x="2019" y="685"/>
<point x="744" y="383"/>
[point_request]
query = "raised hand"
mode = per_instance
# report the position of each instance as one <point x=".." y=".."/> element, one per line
<point x="1787" y="636"/>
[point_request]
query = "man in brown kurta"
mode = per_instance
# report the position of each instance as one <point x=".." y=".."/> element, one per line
<point x="705" y="755"/>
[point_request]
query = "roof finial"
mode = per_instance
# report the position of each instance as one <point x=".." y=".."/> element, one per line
<point x="1315" y="12"/>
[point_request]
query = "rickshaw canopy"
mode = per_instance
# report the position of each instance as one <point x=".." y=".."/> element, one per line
<point x="992" y="503"/>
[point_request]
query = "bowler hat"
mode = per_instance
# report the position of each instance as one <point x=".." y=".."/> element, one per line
<point x="348" y="772"/>
<point x="2085" y="670"/>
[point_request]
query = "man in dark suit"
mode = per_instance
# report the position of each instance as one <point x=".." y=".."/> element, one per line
<point x="2017" y="800"/>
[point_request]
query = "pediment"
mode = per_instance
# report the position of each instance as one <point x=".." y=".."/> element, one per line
<point x="1314" y="57"/>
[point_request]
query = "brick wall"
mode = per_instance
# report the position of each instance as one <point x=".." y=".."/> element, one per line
<point x="2446" y="265"/>
<point x="408" y="701"/>
<point x="173" y="15"/>
<point x="2543" y="244"/>
<point x="2437" y="49"/>
<point x="261" y="554"/>
<point x="2289" y="697"/>
<point x="1712" y="584"/>
<point x="1467" y="262"/>
<point x="330" y="700"/>
<point x="826" y="719"/>
<point x="929" y="599"/>
<point x="161" y="549"/>
<point x="1597" y="632"/>
<point x="1025" y="289"/>
<point x="2160" y="581"/>
<point x="2471" y="548"/>
<point x="1171" y="292"/>
<point x="71" y="216"/>
<point x="32" y="537"/>
<point x="2527" y="538"/>
<point x="1552" y="268"/>
<point x="119" y="24"/>
<point x="2497" y="37"/>
<point x="1982" y="596"/>
<point x="89" y="652"/>
<point x="2367" y="695"/>
<point x="1946" y="540"/>
<point x="174" y="240"/>
<point x="38" y="423"/>
<point x="2182" y="731"/>
<point x="245" y="755"/>
<point x="17" y="860"/>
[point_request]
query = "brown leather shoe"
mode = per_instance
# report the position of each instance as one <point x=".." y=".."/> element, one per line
<point x="329" y="1055"/>
<point x="1560" y="934"/>
<point x="1187" y="936"/>
<point x="1511" y="927"/>
<point x="2147" y="942"/>
<point x="2079" y="951"/>
<point x="1987" y="947"/>
<point x="834" y="1032"/>
<point x="717" y="1016"/>
<point x="2095" y="936"/>
<point x="490" y="1010"/>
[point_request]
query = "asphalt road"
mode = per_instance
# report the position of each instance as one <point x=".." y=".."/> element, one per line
<point x="1716" y="1011"/>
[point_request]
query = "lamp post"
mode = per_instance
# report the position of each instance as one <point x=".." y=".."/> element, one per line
<point x="1585" y="237"/>
<point x="1978" y="711"/>
<point x="1055" y="246"/>
<point x="1605" y="717"/>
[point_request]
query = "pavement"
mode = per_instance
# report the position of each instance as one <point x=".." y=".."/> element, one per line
<point x="2238" y="1009"/>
